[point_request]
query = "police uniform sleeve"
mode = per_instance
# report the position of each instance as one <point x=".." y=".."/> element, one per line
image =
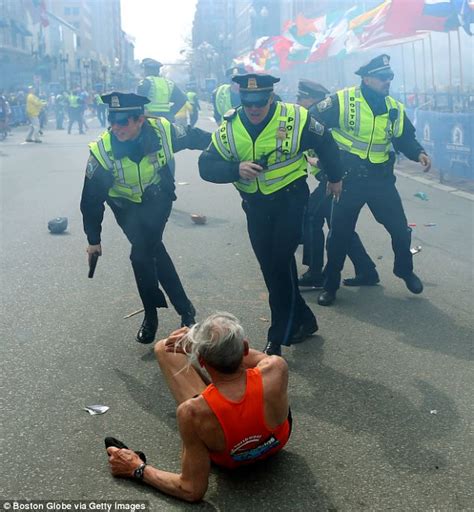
<point x="94" y="192"/>
<point x="327" y="111"/>
<point x="407" y="143"/>
<point x="143" y="88"/>
<point x="185" y="137"/>
<point x="213" y="168"/>
<point x="178" y="99"/>
<point x="315" y="136"/>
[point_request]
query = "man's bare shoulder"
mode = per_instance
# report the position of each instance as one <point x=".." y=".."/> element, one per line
<point x="273" y="364"/>
<point x="192" y="411"/>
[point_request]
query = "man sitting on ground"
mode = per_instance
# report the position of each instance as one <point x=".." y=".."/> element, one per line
<point x="241" y="417"/>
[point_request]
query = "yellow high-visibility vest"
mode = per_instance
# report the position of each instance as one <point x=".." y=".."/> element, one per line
<point x="363" y="134"/>
<point x="159" y="95"/>
<point x="223" y="99"/>
<point x="280" y="141"/>
<point x="131" y="179"/>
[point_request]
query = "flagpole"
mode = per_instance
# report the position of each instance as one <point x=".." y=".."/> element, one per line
<point x="425" y="80"/>
<point x="461" y="74"/>
<point x="450" y="62"/>
<point x="432" y="65"/>
<point x="404" y="79"/>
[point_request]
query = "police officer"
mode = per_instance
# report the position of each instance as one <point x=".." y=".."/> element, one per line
<point x="128" y="168"/>
<point x="365" y="122"/>
<point x="319" y="210"/>
<point x="166" y="98"/>
<point x="226" y="96"/>
<point x="259" y="148"/>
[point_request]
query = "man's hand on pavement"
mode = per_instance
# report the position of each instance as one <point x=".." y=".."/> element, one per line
<point x="249" y="170"/>
<point x="123" y="462"/>
<point x="425" y="161"/>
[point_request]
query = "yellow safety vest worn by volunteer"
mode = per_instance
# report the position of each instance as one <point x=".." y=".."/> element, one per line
<point x="279" y="142"/>
<point x="223" y="99"/>
<point x="363" y="134"/>
<point x="131" y="179"/>
<point x="159" y="94"/>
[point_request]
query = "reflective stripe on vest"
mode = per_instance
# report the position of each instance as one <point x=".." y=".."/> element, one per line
<point x="159" y="95"/>
<point x="223" y="101"/>
<point x="363" y="134"/>
<point x="130" y="179"/>
<point x="281" y="137"/>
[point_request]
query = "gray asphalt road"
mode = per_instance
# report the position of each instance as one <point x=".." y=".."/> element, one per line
<point x="382" y="397"/>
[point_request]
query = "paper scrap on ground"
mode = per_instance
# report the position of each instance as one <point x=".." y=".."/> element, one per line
<point x="96" y="409"/>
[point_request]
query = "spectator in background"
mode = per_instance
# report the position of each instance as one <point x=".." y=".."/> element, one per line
<point x="34" y="106"/>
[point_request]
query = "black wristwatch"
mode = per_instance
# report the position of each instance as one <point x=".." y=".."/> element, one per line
<point x="138" y="473"/>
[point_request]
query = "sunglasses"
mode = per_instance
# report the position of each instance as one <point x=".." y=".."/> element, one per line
<point x="255" y="103"/>
<point x="120" y="122"/>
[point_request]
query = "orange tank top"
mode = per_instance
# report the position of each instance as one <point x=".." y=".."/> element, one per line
<point x="248" y="438"/>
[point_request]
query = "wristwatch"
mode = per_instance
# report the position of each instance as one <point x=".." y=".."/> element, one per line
<point x="138" y="473"/>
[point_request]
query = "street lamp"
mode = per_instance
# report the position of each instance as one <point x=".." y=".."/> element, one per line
<point x="64" y="59"/>
<point x="86" y="64"/>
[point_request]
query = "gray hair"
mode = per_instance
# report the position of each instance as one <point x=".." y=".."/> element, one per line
<point x="218" y="340"/>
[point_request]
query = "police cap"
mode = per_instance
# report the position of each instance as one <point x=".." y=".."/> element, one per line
<point x="235" y="70"/>
<point x="255" y="87"/>
<point x="126" y="103"/>
<point x="151" y="63"/>
<point x="377" y="67"/>
<point x="310" y="89"/>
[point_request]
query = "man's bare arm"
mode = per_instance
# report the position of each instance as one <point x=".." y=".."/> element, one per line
<point x="191" y="484"/>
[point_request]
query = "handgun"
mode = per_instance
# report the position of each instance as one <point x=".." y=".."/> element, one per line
<point x="92" y="264"/>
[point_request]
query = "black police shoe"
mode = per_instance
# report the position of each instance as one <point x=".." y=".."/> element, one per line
<point x="326" y="298"/>
<point x="363" y="280"/>
<point x="187" y="319"/>
<point x="305" y="330"/>
<point x="413" y="283"/>
<point x="310" y="280"/>
<point x="272" y="349"/>
<point x="147" y="332"/>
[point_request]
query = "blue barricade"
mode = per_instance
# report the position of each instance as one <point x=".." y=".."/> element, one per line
<point x="449" y="139"/>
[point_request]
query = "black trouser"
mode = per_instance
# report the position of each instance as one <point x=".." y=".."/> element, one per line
<point x="274" y="224"/>
<point x="194" y="116"/>
<point x="381" y="196"/>
<point x="143" y="224"/>
<point x="75" y="115"/>
<point x="319" y="211"/>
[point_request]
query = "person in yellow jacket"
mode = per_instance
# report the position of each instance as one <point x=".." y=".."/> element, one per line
<point x="259" y="147"/>
<point x="183" y="116"/>
<point x="366" y="122"/>
<point x="166" y="98"/>
<point x="129" y="169"/>
<point x="34" y="106"/>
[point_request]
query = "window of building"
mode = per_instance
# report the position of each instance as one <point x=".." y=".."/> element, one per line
<point x="75" y="11"/>
<point x="67" y="11"/>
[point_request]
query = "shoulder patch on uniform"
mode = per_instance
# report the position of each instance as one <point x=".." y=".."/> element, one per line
<point x="92" y="166"/>
<point x="180" y="130"/>
<point x="316" y="127"/>
<point x="230" y="114"/>
<point x="324" y="105"/>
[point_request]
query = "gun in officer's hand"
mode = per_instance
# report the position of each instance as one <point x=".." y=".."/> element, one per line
<point x="93" y="258"/>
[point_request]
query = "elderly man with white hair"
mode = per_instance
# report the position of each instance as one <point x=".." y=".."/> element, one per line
<point x="241" y="416"/>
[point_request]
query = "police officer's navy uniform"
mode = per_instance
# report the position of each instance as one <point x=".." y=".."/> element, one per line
<point x="275" y="201"/>
<point x="366" y="124"/>
<point x="319" y="211"/>
<point x="166" y="98"/>
<point x="134" y="179"/>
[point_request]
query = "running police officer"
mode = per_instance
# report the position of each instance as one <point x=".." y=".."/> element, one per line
<point x="226" y="96"/>
<point x="166" y="98"/>
<point x="259" y="147"/>
<point x="128" y="168"/>
<point x="365" y="122"/>
<point x="319" y="210"/>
